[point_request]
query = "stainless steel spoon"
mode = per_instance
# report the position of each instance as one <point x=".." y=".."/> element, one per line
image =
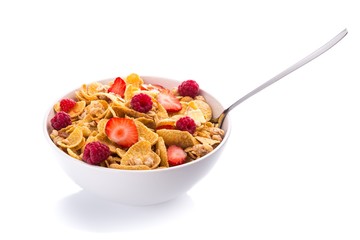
<point x="219" y="120"/>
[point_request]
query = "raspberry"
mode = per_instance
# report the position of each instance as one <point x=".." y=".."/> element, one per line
<point x="67" y="104"/>
<point x="189" y="88"/>
<point x="141" y="103"/>
<point x="60" y="120"/>
<point x="95" y="153"/>
<point x="186" y="124"/>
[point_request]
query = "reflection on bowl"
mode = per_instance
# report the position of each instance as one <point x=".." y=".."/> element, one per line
<point x="139" y="187"/>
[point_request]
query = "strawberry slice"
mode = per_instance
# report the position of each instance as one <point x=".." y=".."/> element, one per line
<point x="176" y="155"/>
<point x="144" y="87"/>
<point x="118" y="87"/>
<point x="150" y="87"/>
<point x="156" y="86"/>
<point x="122" y="131"/>
<point x="168" y="100"/>
<point x="165" y="127"/>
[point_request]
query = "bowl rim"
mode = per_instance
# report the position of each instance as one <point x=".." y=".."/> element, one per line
<point x="99" y="168"/>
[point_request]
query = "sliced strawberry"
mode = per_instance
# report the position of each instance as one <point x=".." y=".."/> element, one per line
<point x="122" y="131"/>
<point x="144" y="87"/>
<point x="118" y="87"/>
<point x="150" y="87"/>
<point x="165" y="127"/>
<point x="176" y="155"/>
<point x="156" y="86"/>
<point x="168" y="100"/>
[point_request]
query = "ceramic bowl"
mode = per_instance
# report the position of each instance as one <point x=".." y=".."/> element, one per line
<point x="139" y="187"/>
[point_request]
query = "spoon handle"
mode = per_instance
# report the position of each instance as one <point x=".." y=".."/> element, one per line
<point x="292" y="68"/>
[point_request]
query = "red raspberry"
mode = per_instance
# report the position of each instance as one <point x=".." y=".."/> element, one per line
<point x="60" y="120"/>
<point x="186" y="124"/>
<point x="95" y="153"/>
<point x="189" y="88"/>
<point x="67" y="104"/>
<point x="141" y="102"/>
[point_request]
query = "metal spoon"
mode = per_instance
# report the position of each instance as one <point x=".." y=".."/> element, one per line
<point x="219" y="120"/>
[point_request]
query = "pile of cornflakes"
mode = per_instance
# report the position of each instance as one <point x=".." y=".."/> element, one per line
<point x="129" y="124"/>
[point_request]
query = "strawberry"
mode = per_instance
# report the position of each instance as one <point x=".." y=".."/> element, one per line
<point x="176" y="155"/>
<point x="156" y="86"/>
<point x="144" y="87"/>
<point x="165" y="127"/>
<point x="122" y="131"/>
<point x="168" y="100"/>
<point x="118" y="87"/>
<point x="150" y="87"/>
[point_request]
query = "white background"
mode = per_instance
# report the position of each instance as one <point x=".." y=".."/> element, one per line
<point x="291" y="168"/>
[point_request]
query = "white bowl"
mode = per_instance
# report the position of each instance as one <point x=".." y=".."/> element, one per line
<point x="140" y="187"/>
